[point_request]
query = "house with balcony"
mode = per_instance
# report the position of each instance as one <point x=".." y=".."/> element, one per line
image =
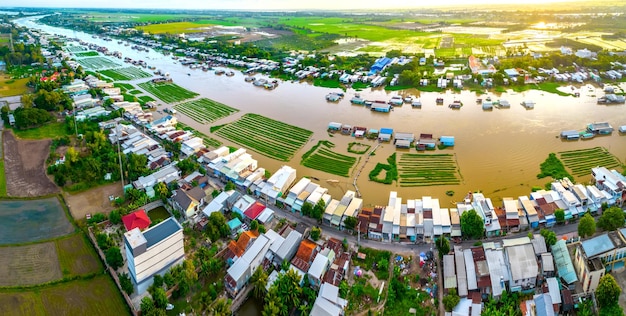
<point x="295" y="190"/>
<point x="276" y="186"/>
<point x="612" y="182"/>
<point x="239" y="273"/>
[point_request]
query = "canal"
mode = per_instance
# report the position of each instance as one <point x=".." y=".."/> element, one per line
<point x="498" y="152"/>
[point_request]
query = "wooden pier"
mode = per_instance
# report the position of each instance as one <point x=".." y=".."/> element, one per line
<point x="358" y="173"/>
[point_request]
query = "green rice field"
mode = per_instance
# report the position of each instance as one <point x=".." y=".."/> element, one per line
<point x="96" y="63"/>
<point x="580" y="161"/>
<point x="205" y="110"/>
<point x="145" y="98"/>
<point x="124" y="86"/>
<point x="167" y="92"/>
<point x="425" y="170"/>
<point x="75" y="49"/>
<point x="266" y="136"/>
<point x="125" y="74"/>
<point x="86" y="54"/>
<point x="322" y="158"/>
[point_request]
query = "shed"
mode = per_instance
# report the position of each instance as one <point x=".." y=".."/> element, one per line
<point x="570" y="134"/>
<point x="401" y="143"/>
<point x="334" y="126"/>
<point x="447" y="140"/>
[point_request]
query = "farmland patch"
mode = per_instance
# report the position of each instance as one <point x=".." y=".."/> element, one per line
<point x="266" y="136"/>
<point x="205" y="110"/>
<point x="21" y="303"/>
<point x="425" y="170"/>
<point x="76" y="256"/>
<point x="167" y="92"/>
<point x="96" y="63"/>
<point x="580" y="161"/>
<point x="322" y="158"/>
<point x="21" y="220"/>
<point x="127" y="73"/>
<point x="29" y="265"/>
<point x="86" y="54"/>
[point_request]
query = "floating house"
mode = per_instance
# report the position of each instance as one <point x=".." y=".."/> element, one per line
<point x="357" y="100"/>
<point x="447" y="141"/>
<point x="385" y="134"/>
<point x="334" y="126"/>
<point x="487" y="105"/>
<point x="372" y="133"/>
<point x="426" y="141"/>
<point x="570" y="135"/>
<point x="333" y="97"/>
<point x="622" y="129"/>
<point x="529" y="104"/>
<point x="504" y="103"/>
<point x="378" y="107"/>
<point x="602" y="128"/>
<point x="416" y="104"/>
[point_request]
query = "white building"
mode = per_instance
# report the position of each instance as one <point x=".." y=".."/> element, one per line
<point x="153" y="251"/>
<point x="277" y="184"/>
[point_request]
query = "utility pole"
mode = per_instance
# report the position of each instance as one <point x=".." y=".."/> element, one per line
<point x="358" y="237"/>
<point x="119" y="154"/>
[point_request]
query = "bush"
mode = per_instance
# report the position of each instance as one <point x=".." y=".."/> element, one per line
<point x="114" y="258"/>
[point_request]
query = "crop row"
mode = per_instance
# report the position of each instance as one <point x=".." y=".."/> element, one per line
<point x="277" y="126"/>
<point x="328" y="161"/>
<point x="168" y="92"/>
<point x="128" y="73"/>
<point x="581" y="161"/>
<point x="257" y="142"/>
<point x="86" y="54"/>
<point x="205" y="110"/>
<point x="97" y="63"/>
<point x="425" y="170"/>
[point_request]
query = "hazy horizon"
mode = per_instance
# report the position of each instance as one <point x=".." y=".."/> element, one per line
<point x="264" y="4"/>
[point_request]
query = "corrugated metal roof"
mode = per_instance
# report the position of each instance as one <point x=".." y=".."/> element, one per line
<point x="449" y="275"/>
<point x="597" y="245"/>
<point x="564" y="266"/>
<point x="160" y="231"/>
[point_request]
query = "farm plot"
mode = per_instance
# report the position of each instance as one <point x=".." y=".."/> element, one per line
<point x="358" y="148"/>
<point x="266" y="136"/>
<point x="76" y="256"/>
<point x="29" y="265"/>
<point x="320" y="157"/>
<point x="75" y="49"/>
<point x="125" y="74"/>
<point x="580" y="162"/>
<point x="204" y="110"/>
<point x="86" y="54"/>
<point x="21" y="303"/>
<point x="425" y="170"/>
<point x="167" y="92"/>
<point x="95" y="63"/>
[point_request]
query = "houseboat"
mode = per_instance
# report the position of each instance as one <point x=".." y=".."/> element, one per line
<point x="600" y="128"/>
<point x="408" y="99"/>
<point x="528" y="104"/>
<point x="220" y="71"/>
<point x="622" y="129"/>
<point x="248" y="79"/>
<point x="378" y="107"/>
<point x="587" y="135"/>
<point x="396" y="101"/>
<point x="455" y="105"/>
<point x="570" y="135"/>
<point x="230" y="73"/>
<point x="439" y="101"/>
<point x="333" y="97"/>
<point x="611" y="99"/>
<point x="502" y="103"/>
<point x="487" y="105"/>
<point x="416" y="103"/>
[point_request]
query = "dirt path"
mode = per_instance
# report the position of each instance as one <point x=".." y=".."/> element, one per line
<point x="93" y="201"/>
<point x="24" y="166"/>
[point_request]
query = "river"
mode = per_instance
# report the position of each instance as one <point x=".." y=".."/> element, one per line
<point x="498" y="152"/>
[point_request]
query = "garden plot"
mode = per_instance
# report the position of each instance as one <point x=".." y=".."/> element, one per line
<point x="125" y="74"/>
<point x="204" y="110"/>
<point x="580" y="161"/>
<point x="266" y="136"/>
<point x="167" y="92"/>
<point x="86" y="54"/>
<point x="95" y="63"/>
<point x="322" y="158"/>
<point x="426" y="170"/>
<point x="75" y="49"/>
<point x="29" y="265"/>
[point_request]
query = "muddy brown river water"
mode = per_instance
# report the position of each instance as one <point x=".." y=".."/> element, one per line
<point x="498" y="152"/>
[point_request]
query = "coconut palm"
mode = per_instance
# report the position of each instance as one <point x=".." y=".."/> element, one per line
<point x="259" y="281"/>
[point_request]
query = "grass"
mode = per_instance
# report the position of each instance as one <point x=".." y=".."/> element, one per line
<point x="21" y="303"/>
<point x="52" y="130"/>
<point x="208" y="141"/>
<point x="580" y="161"/>
<point x="123" y="86"/>
<point x="29" y="265"/>
<point x="125" y="74"/>
<point x="76" y="256"/>
<point x="373" y="256"/>
<point x="175" y="27"/>
<point x="96" y="296"/>
<point x="135" y="92"/>
<point x="390" y="169"/>
<point x="553" y="167"/>
<point x="266" y="136"/>
<point x="96" y="63"/>
<point x="74" y="49"/>
<point x="320" y="157"/>
<point x="358" y="148"/>
<point x="11" y="87"/>
<point x="205" y="110"/>
<point x="145" y="99"/>
<point x="425" y="170"/>
<point x="86" y="54"/>
<point x="396" y="88"/>
<point x="158" y="214"/>
<point x="167" y="92"/>
<point x="3" y="179"/>
<point x="550" y="87"/>
<point x="328" y="83"/>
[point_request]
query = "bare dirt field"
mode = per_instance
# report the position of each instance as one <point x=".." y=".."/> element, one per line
<point x="93" y="201"/>
<point x="29" y="265"/>
<point x="24" y="167"/>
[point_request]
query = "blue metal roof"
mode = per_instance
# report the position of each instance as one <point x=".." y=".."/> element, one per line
<point x="234" y="223"/>
<point x="157" y="233"/>
<point x="597" y="245"/>
<point x="386" y="130"/>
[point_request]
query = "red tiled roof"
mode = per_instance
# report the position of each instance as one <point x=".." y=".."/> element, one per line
<point x="254" y="211"/>
<point x="136" y="219"/>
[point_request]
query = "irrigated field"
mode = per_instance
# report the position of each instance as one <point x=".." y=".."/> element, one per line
<point x="75" y="49"/>
<point x="76" y="256"/>
<point x="204" y="110"/>
<point x="580" y="162"/>
<point x="167" y="92"/>
<point x="29" y="265"/>
<point x="266" y="136"/>
<point x="95" y="63"/>
<point x="86" y="54"/>
<point x="94" y="296"/>
<point x="424" y="170"/>
<point x="320" y="157"/>
<point x="128" y="73"/>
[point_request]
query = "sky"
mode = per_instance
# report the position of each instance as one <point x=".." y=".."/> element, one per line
<point x="258" y="4"/>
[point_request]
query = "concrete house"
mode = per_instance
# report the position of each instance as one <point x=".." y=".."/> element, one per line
<point x="611" y="182"/>
<point x="240" y="272"/>
<point x="318" y="268"/>
<point x="522" y="263"/>
<point x="153" y="251"/>
<point x="291" y="197"/>
<point x="188" y="202"/>
<point x="288" y="248"/>
<point x="277" y="184"/>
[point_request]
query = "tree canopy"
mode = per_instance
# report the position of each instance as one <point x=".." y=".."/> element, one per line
<point x="549" y="237"/>
<point x="611" y="219"/>
<point x="443" y="246"/>
<point x="608" y="291"/>
<point x="586" y="226"/>
<point x="472" y="226"/>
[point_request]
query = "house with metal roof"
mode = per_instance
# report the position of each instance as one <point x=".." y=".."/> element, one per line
<point x="287" y="248"/>
<point x="328" y="302"/>
<point x="530" y="211"/>
<point x="277" y="184"/>
<point x="217" y="204"/>
<point x="329" y="211"/>
<point x="188" y="202"/>
<point x="318" y="268"/>
<point x="611" y="182"/>
<point x="303" y="196"/>
<point x="241" y="271"/>
<point x="461" y="273"/>
<point x="498" y="269"/>
<point x="153" y="251"/>
<point x="563" y="261"/>
<point x="449" y="272"/>
<point x="295" y="190"/>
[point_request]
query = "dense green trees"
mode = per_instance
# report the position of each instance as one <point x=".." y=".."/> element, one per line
<point x="472" y="226"/>
<point x="443" y="246"/>
<point x="586" y="226"/>
<point x="31" y="117"/>
<point x="259" y="280"/>
<point x="560" y="216"/>
<point x="507" y="305"/>
<point x="217" y="227"/>
<point x="114" y="257"/>
<point x="608" y="291"/>
<point x="316" y="232"/>
<point x="451" y="300"/>
<point x="284" y="295"/>
<point x="126" y="283"/>
<point x="350" y="222"/>
<point x="611" y="219"/>
<point x="549" y="237"/>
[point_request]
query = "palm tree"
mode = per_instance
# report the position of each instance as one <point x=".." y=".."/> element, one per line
<point x="270" y="309"/>
<point x="221" y="307"/>
<point x="259" y="281"/>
